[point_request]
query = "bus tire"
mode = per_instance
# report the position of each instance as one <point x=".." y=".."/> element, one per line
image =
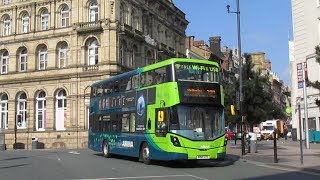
<point x="105" y="149"/>
<point x="145" y="154"/>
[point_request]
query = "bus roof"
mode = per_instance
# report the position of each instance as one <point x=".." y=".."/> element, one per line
<point x="153" y="66"/>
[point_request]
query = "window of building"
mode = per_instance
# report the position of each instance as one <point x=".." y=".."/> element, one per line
<point x="44" y="20"/>
<point x="21" y="111"/>
<point x="62" y="55"/>
<point x="4" y="62"/>
<point x="5" y="2"/>
<point x="124" y="14"/>
<point x="4" y="111"/>
<point x="41" y="111"/>
<point x="25" y="23"/>
<point x="61" y="108"/>
<point x="23" y="60"/>
<point x="42" y="58"/>
<point x="6" y="26"/>
<point x="65" y="16"/>
<point x="122" y="51"/>
<point x="93" y="11"/>
<point x="92" y="53"/>
<point x="135" y="20"/>
<point x="135" y="57"/>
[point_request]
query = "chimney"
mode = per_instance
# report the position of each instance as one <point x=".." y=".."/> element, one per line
<point x="215" y="46"/>
<point x="189" y="42"/>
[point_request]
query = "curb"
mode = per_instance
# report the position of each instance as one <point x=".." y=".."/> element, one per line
<point x="233" y="157"/>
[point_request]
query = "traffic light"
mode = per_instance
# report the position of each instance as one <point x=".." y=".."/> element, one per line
<point x="233" y="111"/>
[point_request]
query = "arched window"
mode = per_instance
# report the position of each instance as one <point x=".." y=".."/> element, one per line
<point x="6" y="26"/>
<point x="42" y="58"/>
<point x="44" y="20"/>
<point x="135" y="55"/>
<point x="25" y="23"/>
<point x="23" y="60"/>
<point x="121" y="14"/>
<point x="61" y="107"/>
<point x="93" y="11"/>
<point x="124" y="13"/>
<point x="4" y="111"/>
<point x="41" y="111"/>
<point x="134" y="20"/>
<point x="122" y="55"/>
<point x="4" y="62"/>
<point x="62" y="55"/>
<point x="21" y="110"/>
<point x="150" y="59"/>
<point x="65" y="16"/>
<point x="92" y="52"/>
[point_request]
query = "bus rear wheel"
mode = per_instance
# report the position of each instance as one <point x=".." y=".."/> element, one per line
<point x="145" y="154"/>
<point x="105" y="149"/>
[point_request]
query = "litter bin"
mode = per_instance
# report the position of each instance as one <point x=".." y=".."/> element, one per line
<point x="253" y="143"/>
<point x="34" y="143"/>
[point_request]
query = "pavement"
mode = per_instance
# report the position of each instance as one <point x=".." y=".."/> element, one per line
<point x="288" y="154"/>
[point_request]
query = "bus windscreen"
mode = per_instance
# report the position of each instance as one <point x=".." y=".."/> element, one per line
<point x="196" y="72"/>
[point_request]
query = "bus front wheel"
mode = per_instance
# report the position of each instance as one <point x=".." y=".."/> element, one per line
<point x="105" y="149"/>
<point x="145" y="154"/>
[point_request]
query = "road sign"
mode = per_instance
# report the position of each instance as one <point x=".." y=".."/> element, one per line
<point x="300" y="73"/>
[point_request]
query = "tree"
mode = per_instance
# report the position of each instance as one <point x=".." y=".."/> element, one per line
<point x="258" y="96"/>
<point x="316" y="84"/>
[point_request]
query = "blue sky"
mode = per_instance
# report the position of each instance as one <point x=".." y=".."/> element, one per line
<point x="266" y="26"/>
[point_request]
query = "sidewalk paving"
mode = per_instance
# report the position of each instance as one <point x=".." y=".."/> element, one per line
<point x="288" y="153"/>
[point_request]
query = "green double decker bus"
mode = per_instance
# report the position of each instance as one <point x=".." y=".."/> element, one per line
<point x="171" y="110"/>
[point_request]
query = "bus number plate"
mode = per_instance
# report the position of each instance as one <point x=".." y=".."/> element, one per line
<point x="203" y="157"/>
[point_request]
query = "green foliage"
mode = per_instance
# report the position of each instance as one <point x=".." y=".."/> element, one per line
<point x="316" y="84"/>
<point x="258" y="102"/>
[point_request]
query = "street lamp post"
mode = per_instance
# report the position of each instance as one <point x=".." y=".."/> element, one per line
<point x="240" y="73"/>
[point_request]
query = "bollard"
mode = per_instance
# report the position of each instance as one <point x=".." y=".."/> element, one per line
<point x="253" y="143"/>
<point x="275" y="148"/>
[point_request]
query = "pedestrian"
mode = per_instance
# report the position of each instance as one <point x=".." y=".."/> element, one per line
<point x="285" y="133"/>
<point x="235" y="137"/>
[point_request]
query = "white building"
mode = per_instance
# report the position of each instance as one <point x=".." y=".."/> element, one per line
<point x="306" y="34"/>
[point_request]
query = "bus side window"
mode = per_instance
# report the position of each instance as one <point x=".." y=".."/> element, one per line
<point x="94" y="91"/>
<point x="116" y="87"/>
<point x="135" y="81"/>
<point x="99" y="91"/>
<point x="160" y="75"/>
<point x="125" y="123"/>
<point x="106" y="89"/>
<point x="142" y="79"/>
<point x="132" y="122"/>
<point x="129" y="84"/>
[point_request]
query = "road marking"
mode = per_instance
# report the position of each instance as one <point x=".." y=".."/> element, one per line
<point x="283" y="168"/>
<point x="74" y="152"/>
<point x="147" y="177"/>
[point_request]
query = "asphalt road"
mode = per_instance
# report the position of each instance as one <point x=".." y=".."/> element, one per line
<point x="86" y="164"/>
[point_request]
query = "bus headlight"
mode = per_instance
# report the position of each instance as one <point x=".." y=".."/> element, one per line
<point x="175" y="141"/>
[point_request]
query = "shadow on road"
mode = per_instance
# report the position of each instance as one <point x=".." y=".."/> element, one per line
<point x="15" y="158"/>
<point x="7" y="167"/>
<point x="230" y="159"/>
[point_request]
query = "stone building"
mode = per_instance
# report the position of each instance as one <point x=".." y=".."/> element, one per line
<point x="306" y="36"/>
<point x="51" y="51"/>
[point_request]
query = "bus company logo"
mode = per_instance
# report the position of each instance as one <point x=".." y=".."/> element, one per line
<point x="141" y="106"/>
<point x="104" y="104"/>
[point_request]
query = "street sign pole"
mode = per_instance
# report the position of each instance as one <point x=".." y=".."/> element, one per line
<point x="305" y="103"/>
